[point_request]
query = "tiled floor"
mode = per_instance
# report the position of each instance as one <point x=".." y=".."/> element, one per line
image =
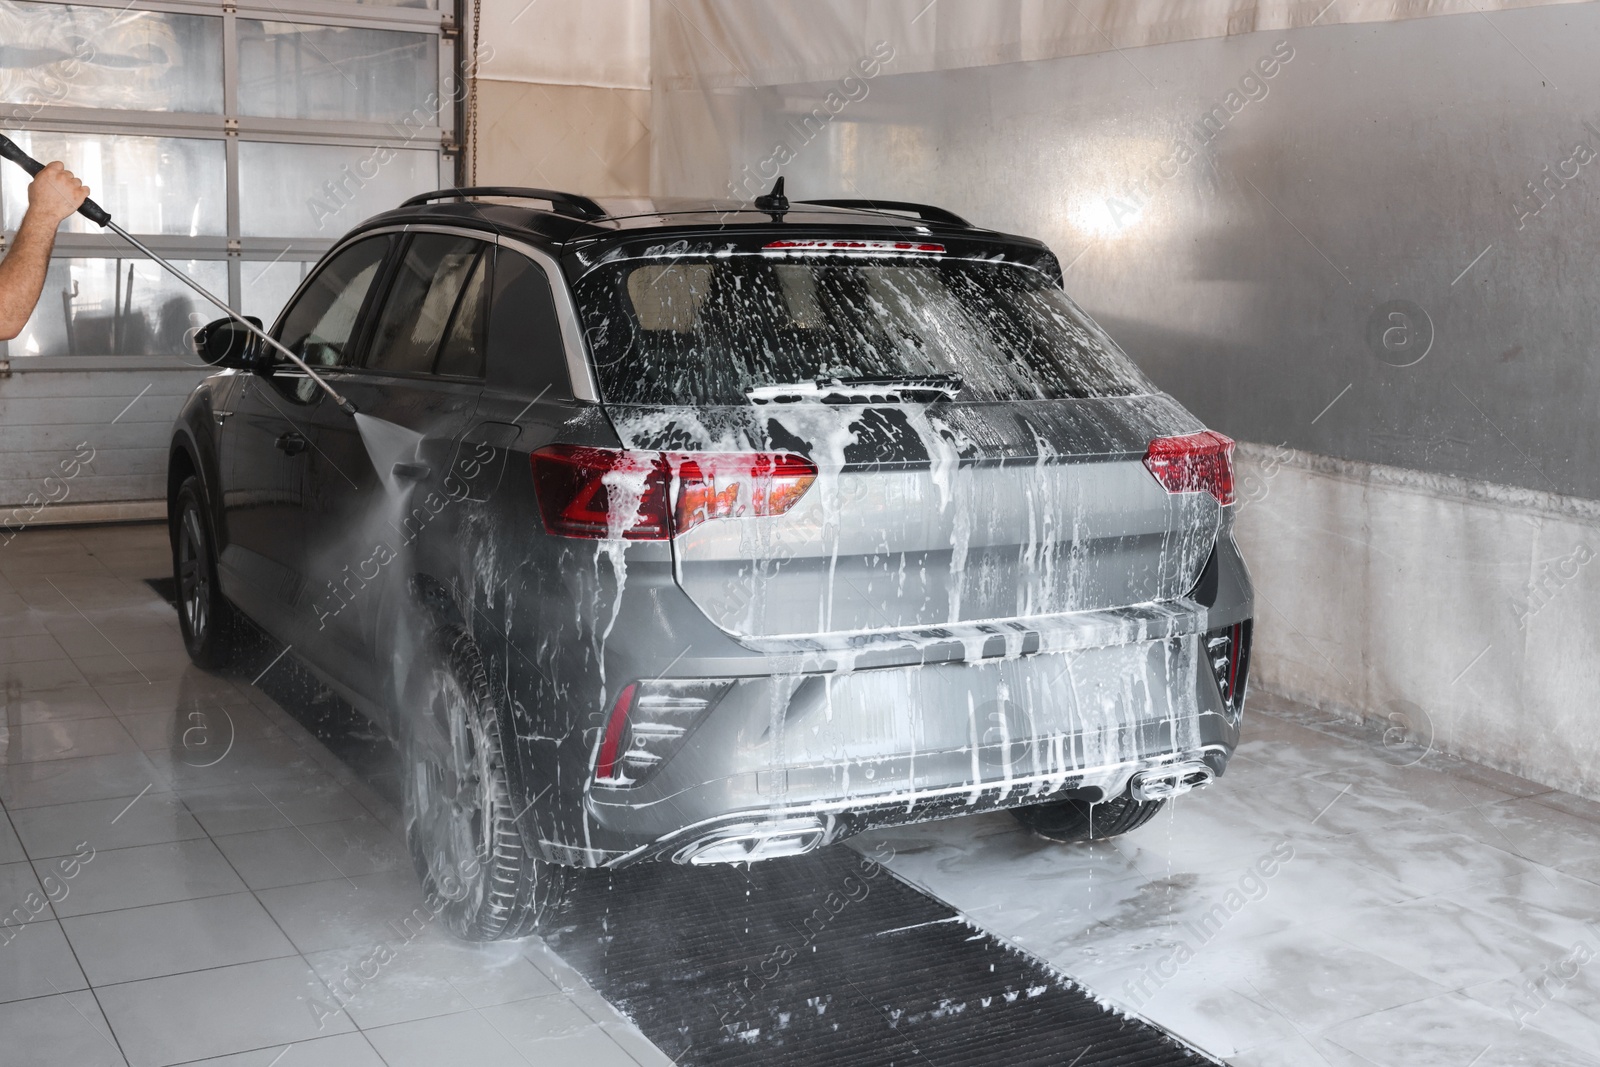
<point x="200" y="881"/>
<point x="1404" y="929"/>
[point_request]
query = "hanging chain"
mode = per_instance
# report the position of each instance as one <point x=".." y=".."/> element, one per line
<point x="472" y="97"/>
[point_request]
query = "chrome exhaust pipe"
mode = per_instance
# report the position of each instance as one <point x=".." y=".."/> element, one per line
<point x="1171" y="781"/>
<point x="750" y="842"/>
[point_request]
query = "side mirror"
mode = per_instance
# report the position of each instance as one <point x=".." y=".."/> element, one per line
<point x="225" y="343"/>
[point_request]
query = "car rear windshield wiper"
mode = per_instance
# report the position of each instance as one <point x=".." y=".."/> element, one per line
<point x="886" y="389"/>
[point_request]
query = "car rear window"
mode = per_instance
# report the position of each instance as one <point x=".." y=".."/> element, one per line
<point x="713" y="330"/>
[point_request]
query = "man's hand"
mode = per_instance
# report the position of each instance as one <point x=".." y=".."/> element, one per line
<point x="52" y="198"/>
<point x="55" y="194"/>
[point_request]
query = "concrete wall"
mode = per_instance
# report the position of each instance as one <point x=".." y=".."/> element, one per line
<point x="564" y="96"/>
<point x="1466" y="611"/>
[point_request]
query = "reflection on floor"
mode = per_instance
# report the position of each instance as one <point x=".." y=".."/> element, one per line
<point x="187" y="905"/>
<point x="1329" y="901"/>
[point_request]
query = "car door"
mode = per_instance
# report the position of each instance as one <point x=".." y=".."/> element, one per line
<point x="267" y="438"/>
<point x="417" y="390"/>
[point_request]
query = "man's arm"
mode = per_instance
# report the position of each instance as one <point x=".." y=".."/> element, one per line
<point x="52" y="198"/>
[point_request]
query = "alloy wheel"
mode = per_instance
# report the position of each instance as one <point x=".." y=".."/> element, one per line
<point x="453" y="800"/>
<point x="194" y="577"/>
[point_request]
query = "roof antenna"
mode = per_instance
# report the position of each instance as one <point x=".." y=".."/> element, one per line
<point x="774" y="203"/>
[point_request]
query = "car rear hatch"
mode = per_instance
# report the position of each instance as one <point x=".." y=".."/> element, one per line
<point x="894" y="435"/>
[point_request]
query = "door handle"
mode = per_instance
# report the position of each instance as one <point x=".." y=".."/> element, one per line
<point x="292" y="443"/>
<point x="415" y="472"/>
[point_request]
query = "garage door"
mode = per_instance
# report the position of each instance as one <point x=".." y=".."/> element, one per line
<point x="239" y="142"/>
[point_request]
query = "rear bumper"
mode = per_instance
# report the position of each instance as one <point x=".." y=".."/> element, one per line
<point x="812" y="759"/>
<point x="838" y="734"/>
<point x="791" y="829"/>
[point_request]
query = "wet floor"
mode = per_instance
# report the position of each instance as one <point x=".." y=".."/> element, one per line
<point x="208" y="871"/>
<point x="1332" y="900"/>
<point x="205" y="881"/>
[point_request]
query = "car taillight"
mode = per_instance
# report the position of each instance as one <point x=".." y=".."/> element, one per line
<point x="649" y="722"/>
<point x="727" y="485"/>
<point x="650" y="496"/>
<point x="1228" y="651"/>
<point x="1194" y="463"/>
<point x="602" y="492"/>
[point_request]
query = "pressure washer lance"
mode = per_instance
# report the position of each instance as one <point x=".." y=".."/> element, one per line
<point x="101" y="217"/>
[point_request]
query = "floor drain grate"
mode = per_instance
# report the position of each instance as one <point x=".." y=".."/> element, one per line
<point x="830" y="959"/>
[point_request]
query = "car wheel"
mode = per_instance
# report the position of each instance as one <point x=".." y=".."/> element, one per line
<point x="209" y="622"/>
<point x="1079" y="820"/>
<point x="477" y="872"/>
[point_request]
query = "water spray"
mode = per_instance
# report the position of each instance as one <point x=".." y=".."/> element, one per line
<point x="102" y="218"/>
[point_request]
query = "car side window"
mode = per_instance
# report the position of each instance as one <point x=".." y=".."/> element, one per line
<point x="526" y="352"/>
<point x="320" y="327"/>
<point x="465" y="343"/>
<point x="434" y="318"/>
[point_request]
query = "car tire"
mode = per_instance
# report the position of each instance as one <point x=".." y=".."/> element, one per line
<point x="478" y="874"/>
<point x="210" y="624"/>
<point x="1079" y="820"/>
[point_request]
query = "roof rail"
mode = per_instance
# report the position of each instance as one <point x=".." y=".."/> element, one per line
<point x="571" y="204"/>
<point x="927" y="212"/>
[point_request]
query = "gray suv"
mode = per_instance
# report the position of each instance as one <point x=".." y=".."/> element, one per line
<point x="715" y="533"/>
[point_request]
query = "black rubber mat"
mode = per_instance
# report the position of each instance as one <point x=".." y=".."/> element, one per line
<point x="811" y="961"/>
<point x="830" y="959"/>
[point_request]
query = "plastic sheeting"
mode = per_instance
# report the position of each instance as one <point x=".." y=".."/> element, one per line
<point x="1230" y="206"/>
<point x="564" y="95"/>
<point x="711" y="44"/>
<point x="603" y="43"/>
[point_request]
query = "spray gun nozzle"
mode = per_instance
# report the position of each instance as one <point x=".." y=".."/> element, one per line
<point x="346" y="407"/>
